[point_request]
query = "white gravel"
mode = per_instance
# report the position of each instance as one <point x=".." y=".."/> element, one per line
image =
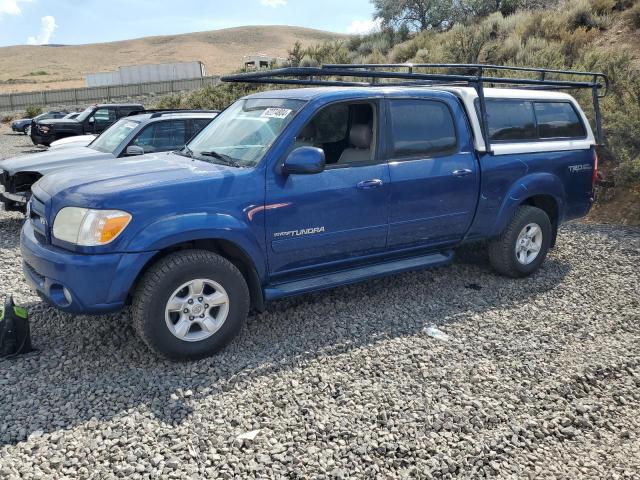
<point x="13" y="144"/>
<point x="450" y="373"/>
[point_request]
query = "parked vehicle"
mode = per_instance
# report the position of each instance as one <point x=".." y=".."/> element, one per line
<point x="157" y="131"/>
<point x="22" y="125"/>
<point x="293" y="191"/>
<point x="93" y="120"/>
<point x="77" y="141"/>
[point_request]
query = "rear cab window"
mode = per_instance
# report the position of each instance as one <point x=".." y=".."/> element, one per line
<point x="558" y="120"/>
<point x="532" y="120"/>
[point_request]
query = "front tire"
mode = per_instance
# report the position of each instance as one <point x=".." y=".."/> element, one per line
<point x="190" y="304"/>
<point x="523" y="245"/>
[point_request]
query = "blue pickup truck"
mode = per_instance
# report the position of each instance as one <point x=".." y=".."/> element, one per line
<point x="297" y="190"/>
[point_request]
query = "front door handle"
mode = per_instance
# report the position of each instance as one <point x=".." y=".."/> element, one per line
<point x="463" y="172"/>
<point x="369" y="184"/>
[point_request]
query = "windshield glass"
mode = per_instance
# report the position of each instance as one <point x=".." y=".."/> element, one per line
<point x="113" y="136"/>
<point x="85" y="113"/>
<point x="244" y="132"/>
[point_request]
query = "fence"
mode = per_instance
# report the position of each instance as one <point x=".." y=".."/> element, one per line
<point x="79" y="96"/>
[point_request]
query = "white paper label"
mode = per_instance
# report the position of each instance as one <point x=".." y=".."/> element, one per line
<point x="276" y="113"/>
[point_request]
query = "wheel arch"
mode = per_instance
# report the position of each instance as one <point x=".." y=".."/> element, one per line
<point x="223" y="247"/>
<point x="541" y="190"/>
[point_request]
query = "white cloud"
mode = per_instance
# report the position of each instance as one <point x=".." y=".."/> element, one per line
<point x="362" y="27"/>
<point x="46" y="31"/>
<point x="11" y="7"/>
<point x="273" y="3"/>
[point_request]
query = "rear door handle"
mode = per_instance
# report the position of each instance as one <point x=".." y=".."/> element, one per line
<point x="369" y="184"/>
<point x="463" y="172"/>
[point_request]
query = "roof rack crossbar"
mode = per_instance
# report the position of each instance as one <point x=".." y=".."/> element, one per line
<point x="160" y="113"/>
<point x="473" y="75"/>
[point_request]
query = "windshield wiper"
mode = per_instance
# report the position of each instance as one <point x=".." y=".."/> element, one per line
<point x="222" y="158"/>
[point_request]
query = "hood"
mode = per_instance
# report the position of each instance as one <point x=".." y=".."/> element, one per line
<point x="58" y="121"/>
<point x="51" y="160"/>
<point x="76" y="141"/>
<point x="132" y="174"/>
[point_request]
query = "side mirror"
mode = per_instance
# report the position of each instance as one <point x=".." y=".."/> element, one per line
<point x="304" y="161"/>
<point x="92" y="120"/>
<point x="134" y="150"/>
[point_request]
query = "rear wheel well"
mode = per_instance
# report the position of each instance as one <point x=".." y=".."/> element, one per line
<point x="224" y="248"/>
<point x="549" y="205"/>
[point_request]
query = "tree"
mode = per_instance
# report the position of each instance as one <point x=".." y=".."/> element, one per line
<point x="296" y="54"/>
<point x="418" y="15"/>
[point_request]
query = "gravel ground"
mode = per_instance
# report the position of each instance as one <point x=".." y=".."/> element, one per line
<point x="536" y="378"/>
<point x="13" y="144"/>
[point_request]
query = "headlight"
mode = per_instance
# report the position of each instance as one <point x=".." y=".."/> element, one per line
<point x="44" y="129"/>
<point x="87" y="228"/>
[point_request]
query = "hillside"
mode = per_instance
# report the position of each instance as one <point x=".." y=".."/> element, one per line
<point x="24" y="68"/>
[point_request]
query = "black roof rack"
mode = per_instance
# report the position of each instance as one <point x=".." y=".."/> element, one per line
<point x="158" y="112"/>
<point x="469" y="74"/>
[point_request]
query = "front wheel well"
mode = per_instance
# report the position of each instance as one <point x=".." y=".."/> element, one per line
<point x="549" y="205"/>
<point x="229" y="250"/>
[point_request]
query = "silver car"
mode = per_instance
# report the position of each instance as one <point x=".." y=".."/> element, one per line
<point x="158" y="131"/>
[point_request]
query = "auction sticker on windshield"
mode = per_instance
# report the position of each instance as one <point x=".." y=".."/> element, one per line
<point x="276" y="113"/>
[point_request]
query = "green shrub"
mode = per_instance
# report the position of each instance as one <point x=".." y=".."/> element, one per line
<point x="509" y="7"/>
<point x="464" y="44"/>
<point x="603" y="7"/>
<point x="633" y="14"/>
<point x="573" y="43"/>
<point x="33" y="111"/>
<point x="581" y="16"/>
<point x="210" y="97"/>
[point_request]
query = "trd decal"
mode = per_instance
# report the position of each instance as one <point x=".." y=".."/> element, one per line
<point x="580" y="168"/>
<point x="299" y="233"/>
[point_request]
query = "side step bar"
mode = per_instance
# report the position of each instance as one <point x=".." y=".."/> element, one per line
<point x="355" y="275"/>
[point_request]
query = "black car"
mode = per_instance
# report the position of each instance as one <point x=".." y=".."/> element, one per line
<point x="23" y="124"/>
<point x="95" y="119"/>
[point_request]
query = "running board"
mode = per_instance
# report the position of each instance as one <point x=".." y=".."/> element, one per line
<point x="355" y="275"/>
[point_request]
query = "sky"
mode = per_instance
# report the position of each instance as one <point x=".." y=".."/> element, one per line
<point x="38" y="22"/>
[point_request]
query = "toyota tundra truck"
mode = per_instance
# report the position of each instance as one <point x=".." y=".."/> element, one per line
<point x="302" y="189"/>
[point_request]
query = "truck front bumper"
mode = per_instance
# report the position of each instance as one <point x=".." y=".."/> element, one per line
<point x="16" y="202"/>
<point x="77" y="283"/>
<point x="42" y="138"/>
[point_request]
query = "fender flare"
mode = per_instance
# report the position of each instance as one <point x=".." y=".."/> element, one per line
<point x="526" y="187"/>
<point x="173" y="230"/>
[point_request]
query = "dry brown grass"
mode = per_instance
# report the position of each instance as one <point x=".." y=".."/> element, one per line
<point x="220" y="50"/>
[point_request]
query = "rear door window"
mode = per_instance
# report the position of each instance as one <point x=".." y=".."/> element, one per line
<point x="421" y="128"/>
<point x="104" y="117"/>
<point x="126" y="111"/>
<point x="511" y="120"/>
<point x="162" y="136"/>
<point x="558" y="120"/>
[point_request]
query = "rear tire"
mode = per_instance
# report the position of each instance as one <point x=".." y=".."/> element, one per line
<point x="190" y="304"/>
<point x="523" y="245"/>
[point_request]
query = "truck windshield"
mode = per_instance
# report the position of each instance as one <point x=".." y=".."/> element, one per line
<point x="243" y="133"/>
<point x="84" y="114"/>
<point x="113" y="136"/>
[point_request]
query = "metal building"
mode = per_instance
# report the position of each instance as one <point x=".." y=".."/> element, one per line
<point x="147" y="73"/>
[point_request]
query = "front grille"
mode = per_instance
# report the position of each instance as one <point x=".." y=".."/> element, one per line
<point x="38" y="219"/>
